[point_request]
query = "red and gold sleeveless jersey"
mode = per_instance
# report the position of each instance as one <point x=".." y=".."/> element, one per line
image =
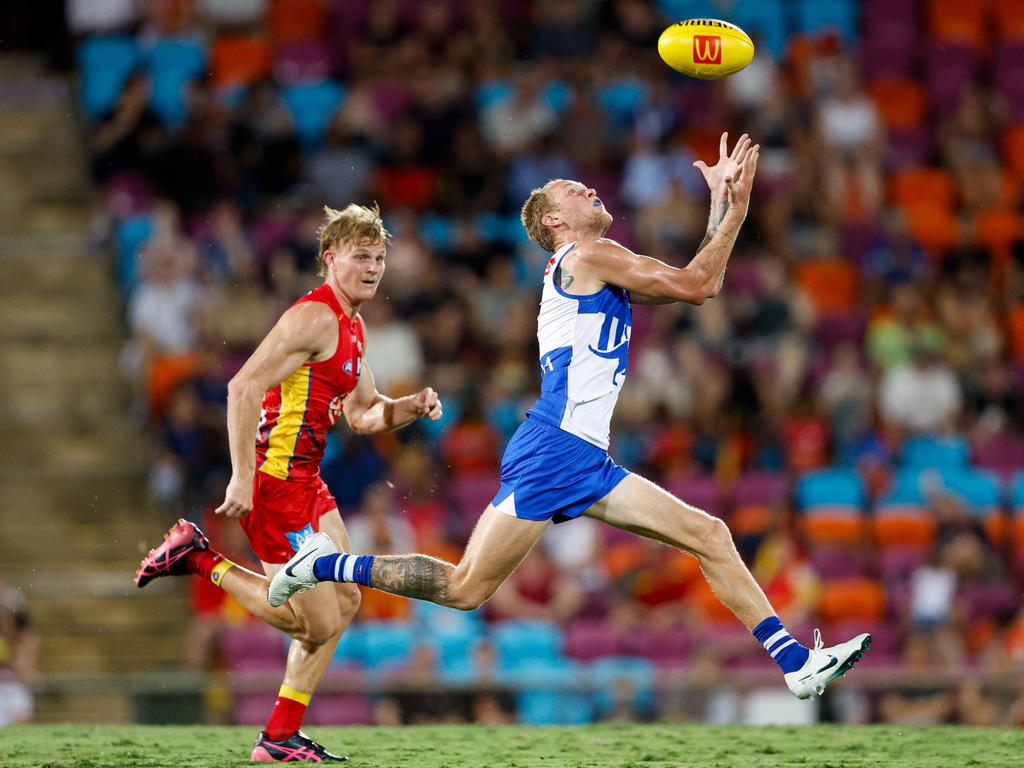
<point x="298" y="412"/>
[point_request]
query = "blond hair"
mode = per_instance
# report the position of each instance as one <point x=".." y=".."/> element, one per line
<point x="356" y="225"/>
<point x="537" y="205"/>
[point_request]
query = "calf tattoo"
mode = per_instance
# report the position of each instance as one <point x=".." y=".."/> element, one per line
<point x="419" y="576"/>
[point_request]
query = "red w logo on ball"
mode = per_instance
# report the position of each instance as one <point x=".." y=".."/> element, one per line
<point x="707" y="49"/>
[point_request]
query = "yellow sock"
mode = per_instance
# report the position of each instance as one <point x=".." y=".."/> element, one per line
<point x="218" y="571"/>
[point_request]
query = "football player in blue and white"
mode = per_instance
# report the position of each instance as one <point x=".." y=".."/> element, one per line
<point x="556" y="467"/>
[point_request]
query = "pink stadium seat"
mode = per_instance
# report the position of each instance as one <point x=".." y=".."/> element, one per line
<point x="700" y="491"/>
<point x="588" y="640"/>
<point x="254" y="647"/>
<point x="302" y="62"/>
<point x="252" y="708"/>
<point x="761" y="488"/>
<point x="341" y="709"/>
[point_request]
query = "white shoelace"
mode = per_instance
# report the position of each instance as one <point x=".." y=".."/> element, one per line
<point x="818" y="644"/>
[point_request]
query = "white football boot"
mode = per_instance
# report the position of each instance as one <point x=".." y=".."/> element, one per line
<point x="824" y="665"/>
<point x="297" y="574"/>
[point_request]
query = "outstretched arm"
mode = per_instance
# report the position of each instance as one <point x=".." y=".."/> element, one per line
<point x="367" y="411"/>
<point x="653" y="282"/>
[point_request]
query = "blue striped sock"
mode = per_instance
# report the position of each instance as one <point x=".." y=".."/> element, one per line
<point x="781" y="646"/>
<point x="344" y="567"/>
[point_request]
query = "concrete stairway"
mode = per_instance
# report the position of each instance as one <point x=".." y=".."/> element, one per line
<point x="73" y="516"/>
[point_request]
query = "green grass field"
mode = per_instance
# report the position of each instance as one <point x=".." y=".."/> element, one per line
<point x="641" y="746"/>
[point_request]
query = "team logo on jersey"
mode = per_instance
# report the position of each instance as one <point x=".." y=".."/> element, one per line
<point x="551" y="263"/>
<point x="334" y="408"/>
<point x="707" y="49"/>
<point x="615" y="340"/>
<point x="347" y="367"/>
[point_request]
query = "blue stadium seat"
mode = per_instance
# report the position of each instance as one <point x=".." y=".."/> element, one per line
<point x="105" y="64"/>
<point x="545" y="696"/>
<point x="765" y="22"/>
<point x="906" y="488"/>
<point x="925" y="452"/>
<point x="1017" y="491"/>
<point x="817" y="16"/>
<point x="678" y="10"/>
<point x="521" y="642"/>
<point x="350" y="647"/>
<point x="978" y="488"/>
<point x="388" y="644"/>
<point x="621" y="99"/>
<point x="830" y="487"/>
<point x="132" y="235"/>
<point x="640" y="672"/>
<point x="492" y="92"/>
<point x="313" y="105"/>
<point x="173" y="62"/>
<point x="453" y="636"/>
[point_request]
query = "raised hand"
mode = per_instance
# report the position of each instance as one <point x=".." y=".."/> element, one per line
<point x="728" y="167"/>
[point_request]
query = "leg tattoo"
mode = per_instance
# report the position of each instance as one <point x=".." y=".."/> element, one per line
<point x="418" y="576"/>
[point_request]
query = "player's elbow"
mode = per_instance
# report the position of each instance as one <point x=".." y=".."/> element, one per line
<point x="689" y="289"/>
<point x="241" y="386"/>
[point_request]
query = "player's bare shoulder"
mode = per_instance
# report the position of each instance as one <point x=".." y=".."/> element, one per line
<point x="311" y="326"/>
<point x="594" y="262"/>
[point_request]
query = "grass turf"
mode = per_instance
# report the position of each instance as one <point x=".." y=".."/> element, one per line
<point x="641" y="746"/>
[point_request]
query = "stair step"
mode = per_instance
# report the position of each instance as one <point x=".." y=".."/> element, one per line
<point x="24" y="318"/>
<point x="83" y="707"/>
<point x="91" y="500"/>
<point x="31" y="269"/>
<point x="108" y="654"/>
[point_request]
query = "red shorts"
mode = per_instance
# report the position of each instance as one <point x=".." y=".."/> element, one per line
<point x="284" y="513"/>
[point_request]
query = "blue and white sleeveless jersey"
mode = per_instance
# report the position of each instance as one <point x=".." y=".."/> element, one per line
<point x="584" y="353"/>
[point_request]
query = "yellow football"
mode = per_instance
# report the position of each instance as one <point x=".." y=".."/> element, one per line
<point x="705" y="48"/>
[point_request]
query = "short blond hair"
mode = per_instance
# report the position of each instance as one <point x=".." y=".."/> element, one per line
<point x="537" y="205"/>
<point x="356" y="224"/>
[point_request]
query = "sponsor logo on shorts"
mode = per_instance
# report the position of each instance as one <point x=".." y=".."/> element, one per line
<point x="298" y="538"/>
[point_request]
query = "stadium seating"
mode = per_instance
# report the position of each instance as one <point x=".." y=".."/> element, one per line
<point x="105" y="63"/>
<point x="173" y="63"/>
<point x="615" y="676"/>
<point x="520" y="642"/>
<point x="312" y="106"/>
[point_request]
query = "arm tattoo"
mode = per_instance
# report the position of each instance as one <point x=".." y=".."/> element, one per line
<point x="564" y="279"/>
<point x="718" y="210"/>
<point x="419" y="576"/>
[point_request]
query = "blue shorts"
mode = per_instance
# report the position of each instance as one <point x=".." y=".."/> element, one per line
<point x="549" y="474"/>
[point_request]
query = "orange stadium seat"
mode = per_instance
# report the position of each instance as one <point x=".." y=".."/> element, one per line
<point x="294" y="20"/>
<point x="824" y="529"/>
<point x="831" y="283"/>
<point x="997" y="231"/>
<point x="751" y="519"/>
<point x="934" y="227"/>
<point x="904" y="526"/>
<point x="957" y="21"/>
<point x="239" y="60"/>
<point x="917" y="186"/>
<point x="848" y="599"/>
<point x="1015" y="332"/>
<point x="1009" y="19"/>
<point x="707" y="603"/>
<point x="902" y="102"/>
<point x="1013" y="150"/>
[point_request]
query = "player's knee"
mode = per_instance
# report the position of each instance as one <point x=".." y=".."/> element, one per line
<point x="349" y="600"/>
<point x="717" y="539"/>
<point x="320" y="630"/>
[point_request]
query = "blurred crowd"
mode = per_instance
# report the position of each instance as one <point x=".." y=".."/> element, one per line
<point x="850" y="403"/>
